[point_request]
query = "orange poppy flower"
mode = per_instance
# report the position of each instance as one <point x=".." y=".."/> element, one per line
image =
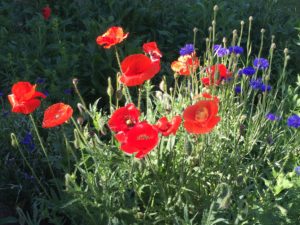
<point x="185" y="64"/>
<point x="24" y="98"/>
<point x="166" y="128"/>
<point x="138" y="68"/>
<point x="212" y="71"/>
<point x="201" y="117"/>
<point x="112" y="36"/>
<point x="56" y="115"/>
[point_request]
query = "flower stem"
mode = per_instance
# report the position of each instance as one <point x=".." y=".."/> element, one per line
<point x="43" y="147"/>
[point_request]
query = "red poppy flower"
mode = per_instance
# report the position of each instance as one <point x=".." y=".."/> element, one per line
<point x="201" y="117"/>
<point x="124" y="118"/>
<point x="166" y="128"/>
<point x="141" y="139"/>
<point x="56" y="115"/>
<point x="46" y="11"/>
<point x="212" y="73"/>
<point x="152" y="49"/>
<point x="137" y="69"/>
<point x="24" y="98"/>
<point x="112" y="36"/>
<point x="185" y="64"/>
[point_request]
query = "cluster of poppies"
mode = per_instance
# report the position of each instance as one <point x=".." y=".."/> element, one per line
<point x="140" y="138"/>
<point x="136" y="136"/>
<point x="25" y="99"/>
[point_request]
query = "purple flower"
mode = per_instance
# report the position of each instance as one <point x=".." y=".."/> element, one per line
<point x="220" y="51"/>
<point x="40" y="80"/>
<point x="187" y="49"/>
<point x="238" y="89"/>
<point x="28" y="142"/>
<point x="45" y="92"/>
<point x="297" y="170"/>
<point x="248" y="71"/>
<point x="261" y="63"/>
<point x="272" y="117"/>
<point x="68" y="91"/>
<point x="264" y="88"/>
<point x="293" y="121"/>
<point x="256" y="83"/>
<point x="236" y="50"/>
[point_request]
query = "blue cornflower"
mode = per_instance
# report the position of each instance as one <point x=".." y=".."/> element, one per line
<point x="238" y="89"/>
<point x="293" y="121"/>
<point x="248" y="71"/>
<point x="45" y="92"/>
<point x="220" y="51"/>
<point x="264" y="88"/>
<point x="240" y="72"/>
<point x="272" y="117"/>
<point x="261" y="63"/>
<point x="187" y="49"/>
<point x="28" y="142"/>
<point x="236" y="49"/>
<point x="40" y="80"/>
<point x="256" y="83"/>
<point x="5" y="113"/>
<point x="297" y="170"/>
<point x="28" y="177"/>
<point x="68" y="91"/>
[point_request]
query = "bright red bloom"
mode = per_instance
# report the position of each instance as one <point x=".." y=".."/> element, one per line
<point x="141" y="139"/>
<point x="56" y="115"/>
<point x="152" y="49"/>
<point x="112" y="36"/>
<point x="185" y="65"/>
<point x="219" y="70"/>
<point x="46" y="11"/>
<point x="24" y="98"/>
<point x="166" y="128"/>
<point x="124" y="118"/>
<point x="138" y="68"/>
<point x="201" y="117"/>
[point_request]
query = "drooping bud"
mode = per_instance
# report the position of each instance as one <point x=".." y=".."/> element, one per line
<point x="110" y="89"/>
<point x="216" y="8"/>
<point x="250" y="18"/>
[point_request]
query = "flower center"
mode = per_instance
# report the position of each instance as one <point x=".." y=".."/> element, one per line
<point x="129" y="122"/>
<point x="201" y="114"/>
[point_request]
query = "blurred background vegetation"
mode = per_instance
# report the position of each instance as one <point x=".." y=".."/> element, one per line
<point x="64" y="47"/>
<point x="53" y="52"/>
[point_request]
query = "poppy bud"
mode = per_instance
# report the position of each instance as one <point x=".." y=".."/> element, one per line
<point x="216" y="8"/>
<point x="119" y="94"/>
<point x="250" y="18"/>
<point x="286" y="51"/>
<point x="242" y="22"/>
<point x="75" y="81"/>
<point x="80" y="120"/>
<point x="163" y="85"/>
<point x="110" y="90"/>
<point x="14" y="141"/>
<point x="262" y="30"/>
<point x="195" y="29"/>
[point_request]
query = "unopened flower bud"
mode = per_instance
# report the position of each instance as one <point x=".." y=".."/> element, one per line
<point x="224" y="40"/>
<point x="286" y="51"/>
<point x="250" y="18"/>
<point x="80" y="120"/>
<point x="216" y="8"/>
<point x="273" y="45"/>
<point x="267" y="78"/>
<point x="262" y="30"/>
<point x="163" y="85"/>
<point x="14" y="141"/>
<point x="75" y="81"/>
<point x="210" y="28"/>
<point x="288" y="57"/>
<point x="110" y="90"/>
<point x="195" y="29"/>
<point x="242" y="22"/>
<point x="213" y="23"/>
<point x="234" y="32"/>
<point x="119" y="94"/>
